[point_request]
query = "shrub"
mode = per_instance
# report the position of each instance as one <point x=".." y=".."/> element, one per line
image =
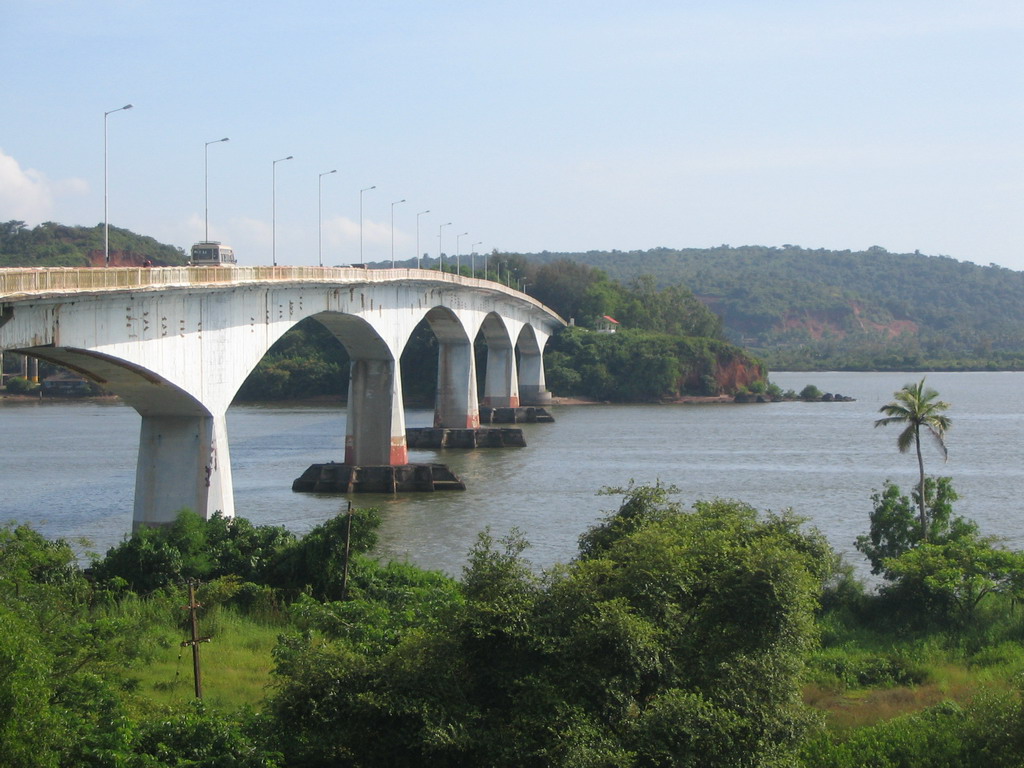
<point x="810" y="392"/>
<point x="20" y="386"/>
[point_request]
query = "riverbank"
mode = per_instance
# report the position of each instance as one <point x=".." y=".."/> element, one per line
<point x="684" y="400"/>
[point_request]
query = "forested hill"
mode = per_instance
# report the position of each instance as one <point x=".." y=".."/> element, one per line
<point x="57" y="245"/>
<point x="801" y="308"/>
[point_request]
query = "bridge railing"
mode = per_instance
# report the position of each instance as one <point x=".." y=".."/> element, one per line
<point x="18" y="283"/>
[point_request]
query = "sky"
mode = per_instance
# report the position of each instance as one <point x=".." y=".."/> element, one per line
<point x="529" y="126"/>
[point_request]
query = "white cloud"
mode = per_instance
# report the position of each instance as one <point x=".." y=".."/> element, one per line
<point x="27" y="195"/>
<point x="340" y="230"/>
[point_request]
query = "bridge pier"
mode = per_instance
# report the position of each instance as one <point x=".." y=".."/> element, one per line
<point x="456" y="406"/>
<point x="501" y="384"/>
<point x="375" y="430"/>
<point x="183" y="464"/>
<point x="532" y="389"/>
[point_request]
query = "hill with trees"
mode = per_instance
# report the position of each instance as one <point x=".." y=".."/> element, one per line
<point x="802" y="309"/>
<point x="57" y="245"/>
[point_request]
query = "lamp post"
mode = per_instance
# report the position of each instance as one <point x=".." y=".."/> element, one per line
<point x="320" y="213"/>
<point x="458" y="265"/>
<point x="106" y="223"/>
<point x="365" y="189"/>
<point x="472" y="249"/>
<point x="393" y="230"/>
<point x="273" y="216"/>
<point x="440" y="263"/>
<point x="206" y="182"/>
<point x="418" y="237"/>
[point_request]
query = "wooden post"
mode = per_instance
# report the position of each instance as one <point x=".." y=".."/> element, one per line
<point x="192" y="608"/>
<point x="348" y="542"/>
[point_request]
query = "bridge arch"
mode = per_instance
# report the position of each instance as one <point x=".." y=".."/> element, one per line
<point x="183" y="446"/>
<point x="532" y="386"/>
<point x="501" y="381"/>
<point x="375" y="426"/>
<point x="456" y="405"/>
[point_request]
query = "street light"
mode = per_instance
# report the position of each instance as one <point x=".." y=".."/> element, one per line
<point x="418" y="237"/>
<point x="472" y="249"/>
<point x="320" y="213"/>
<point x="458" y="265"/>
<point x="106" y="224"/>
<point x="206" y="182"/>
<point x="365" y="189"/>
<point x="393" y="230"/>
<point x="440" y="263"/>
<point x="273" y="217"/>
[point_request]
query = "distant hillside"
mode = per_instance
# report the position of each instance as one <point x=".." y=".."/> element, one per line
<point x="57" y="245"/>
<point x="811" y="309"/>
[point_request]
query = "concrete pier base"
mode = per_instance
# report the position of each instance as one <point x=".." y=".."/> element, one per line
<point x="481" y="437"/>
<point x="381" y="478"/>
<point x="521" y="415"/>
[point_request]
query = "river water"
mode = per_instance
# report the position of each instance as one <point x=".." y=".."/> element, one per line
<point x="69" y="467"/>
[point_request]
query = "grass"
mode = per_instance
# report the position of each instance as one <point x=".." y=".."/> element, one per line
<point x="235" y="664"/>
<point x="856" y="709"/>
<point x="862" y="676"/>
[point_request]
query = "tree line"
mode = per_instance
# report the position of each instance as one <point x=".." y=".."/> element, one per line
<point x="819" y="309"/>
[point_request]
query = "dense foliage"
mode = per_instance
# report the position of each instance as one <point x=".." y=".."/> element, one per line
<point x="678" y="638"/>
<point x="803" y="309"/>
<point x="639" y="366"/>
<point x="306" y="362"/>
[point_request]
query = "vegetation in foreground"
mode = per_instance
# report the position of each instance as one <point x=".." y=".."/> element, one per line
<point x="707" y="636"/>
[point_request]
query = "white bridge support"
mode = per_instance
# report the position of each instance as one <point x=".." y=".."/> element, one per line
<point x="375" y="432"/>
<point x="179" y="467"/>
<point x="501" y="384"/>
<point x="177" y="343"/>
<point x="457" y="406"/>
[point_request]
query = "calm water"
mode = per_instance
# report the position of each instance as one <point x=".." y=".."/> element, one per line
<point x="69" y="468"/>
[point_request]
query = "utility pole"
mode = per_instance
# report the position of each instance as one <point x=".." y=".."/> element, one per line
<point x="192" y="607"/>
<point x="348" y="542"/>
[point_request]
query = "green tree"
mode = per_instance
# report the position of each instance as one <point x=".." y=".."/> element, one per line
<point x="62" y="659"/>
<point x="317" y="561"/>
<point x="917" y="407"/>
<point x="896" y="526"/>
<point x="676" y="639"/>
<point x="959" y="574"/>
<point x="200" y="736"/>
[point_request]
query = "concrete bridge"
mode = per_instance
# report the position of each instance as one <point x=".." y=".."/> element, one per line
<point x="176" y="343"/>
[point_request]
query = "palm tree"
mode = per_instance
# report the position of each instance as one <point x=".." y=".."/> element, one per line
<point x="917" y="407"/>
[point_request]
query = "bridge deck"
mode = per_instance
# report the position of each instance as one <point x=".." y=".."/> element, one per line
<point x="22" y="283"/>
